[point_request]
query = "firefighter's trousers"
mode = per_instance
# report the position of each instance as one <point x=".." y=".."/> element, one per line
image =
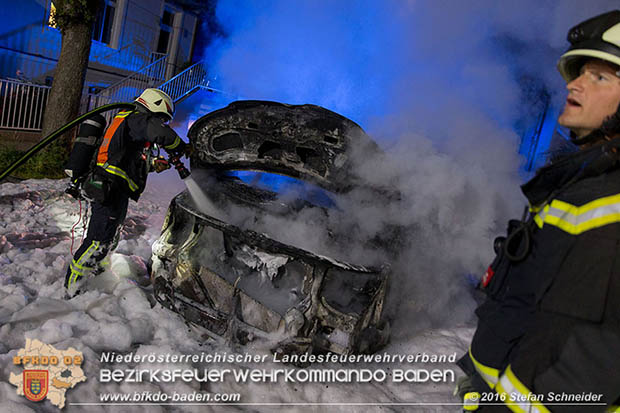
<point x="102" y="237"/>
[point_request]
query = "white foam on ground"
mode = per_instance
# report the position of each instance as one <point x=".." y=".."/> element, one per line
<point x="115" y="314"/>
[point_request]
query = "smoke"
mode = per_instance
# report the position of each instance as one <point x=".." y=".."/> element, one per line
<point x="368" y="59"/>
<point x="440" y="85"/>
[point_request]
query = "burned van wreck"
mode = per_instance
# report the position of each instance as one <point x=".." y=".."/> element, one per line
<point x="241" y="283"/>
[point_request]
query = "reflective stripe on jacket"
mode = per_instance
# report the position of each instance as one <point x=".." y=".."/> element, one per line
<point x="120" y="154"/>
<point x="551" y="321"/>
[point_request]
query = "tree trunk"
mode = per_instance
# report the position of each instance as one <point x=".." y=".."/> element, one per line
<point x="64" y="101"/>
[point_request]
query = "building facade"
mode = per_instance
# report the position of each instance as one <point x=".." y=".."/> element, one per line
<point x="128" y="36"/>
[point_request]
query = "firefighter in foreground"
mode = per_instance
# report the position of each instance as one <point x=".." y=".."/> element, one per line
<point x="548" y="335"/>
<point x="124" y="158"/>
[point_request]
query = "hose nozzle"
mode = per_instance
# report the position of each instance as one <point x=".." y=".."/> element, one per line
<point x="178" y="165"/>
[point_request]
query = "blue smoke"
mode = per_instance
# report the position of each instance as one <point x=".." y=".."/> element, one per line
<point x="443" y="86"/>
<point x="420" y="65"/>
<point x="328" y="53"/>
<point x="293" y="188"/>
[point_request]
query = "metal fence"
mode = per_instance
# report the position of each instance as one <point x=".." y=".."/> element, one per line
<point x="186" y="82"/>
<point x="128" y="88"/>
<point x="22" y="104"/>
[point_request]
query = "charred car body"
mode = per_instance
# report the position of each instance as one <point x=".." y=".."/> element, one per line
<point x="239" y="283"/>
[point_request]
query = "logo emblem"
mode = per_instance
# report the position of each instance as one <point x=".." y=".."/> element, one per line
<point x="486" y="279"/>
<point x="35" y="384"/>
<point x="48" y="373"/>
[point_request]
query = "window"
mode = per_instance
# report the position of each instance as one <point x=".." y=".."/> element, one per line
<point x="50" y="18"/>
<point x="165" y="29"/>
<point x="167" y="18"/>
<point x="103" y="24"/>
<point x="162" y="44"/>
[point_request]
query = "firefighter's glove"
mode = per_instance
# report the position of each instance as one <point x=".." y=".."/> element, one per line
<point x="467" y="393"/>
<point x="183" y="149"/>
<point x="74" y="188"/>
<point x="160" y="164"/>
<point x="188" y="150"/>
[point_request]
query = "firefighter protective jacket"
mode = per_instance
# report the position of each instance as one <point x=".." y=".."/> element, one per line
<point x="121" y="154"/>
<point x="551" y="322"/>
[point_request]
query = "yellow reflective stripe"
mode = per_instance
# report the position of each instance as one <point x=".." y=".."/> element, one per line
<point x="94" y="246"/>
<point x="74" y="270"/>
<point x="471" y="401"/>
<point x="576" y="220"/>
<point x="73" y="278"/>
<point x="586" y="226"/>
<point x="534" y="209"/>
<point x="518" y="398"/>
<point x="89" y="251"/>
<point x="489" y="374"/>
<point x="613" y="409"/>
<point x="114" y="170"/>
<point x="174" y="144"/>
<point x="122" y="114"/>
<point x="597" y="203"/>
<point x="539" y="219"/>
<point x="83" y="258"/>
<point x="78" y="268"/>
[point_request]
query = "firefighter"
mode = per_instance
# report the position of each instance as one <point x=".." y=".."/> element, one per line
<point x="548" y="334"/>
<point x="124" y="158"/>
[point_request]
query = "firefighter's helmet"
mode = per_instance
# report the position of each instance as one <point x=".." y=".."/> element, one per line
<point x="595" y="38"/>
<point x="598" y="37"/>
<point x="156" y="101"/>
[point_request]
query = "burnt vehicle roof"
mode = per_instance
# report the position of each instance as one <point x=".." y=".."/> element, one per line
<point x="240" y="275"/>
<point x="307" y="142"/>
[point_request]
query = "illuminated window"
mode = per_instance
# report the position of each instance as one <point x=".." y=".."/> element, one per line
<point x="50" y="18"/>
<point x="105" y="19"/>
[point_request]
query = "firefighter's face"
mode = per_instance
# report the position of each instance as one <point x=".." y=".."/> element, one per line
<point x="592" y="97"/>
<point x="164" y="119"/>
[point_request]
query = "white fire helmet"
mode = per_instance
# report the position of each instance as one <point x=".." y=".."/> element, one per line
<point x="156" y="102"/>
<point x="598" y="37"/>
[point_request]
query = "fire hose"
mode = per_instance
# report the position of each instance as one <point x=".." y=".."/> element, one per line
<point x="57" y="133"/>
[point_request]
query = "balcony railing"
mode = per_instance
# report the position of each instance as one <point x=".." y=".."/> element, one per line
<point x="128" y="88"/>
<point x="186" y="82"/>
<point x="22" y="105"/>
